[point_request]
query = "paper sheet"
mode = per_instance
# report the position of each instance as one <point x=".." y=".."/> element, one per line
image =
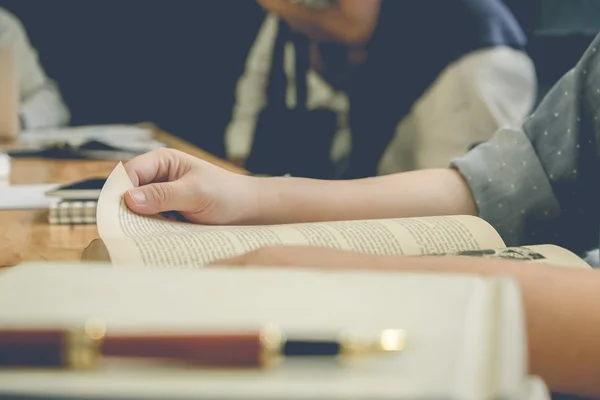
<point x="77" y="135"/>
<point x="4" y="167"/>
<point x="22" y="197"/>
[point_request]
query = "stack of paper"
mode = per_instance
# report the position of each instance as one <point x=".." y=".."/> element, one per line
<point x="81" y="134"/>
<point x="4" y="168"/>
<point x="94" y="142"/>
<point x="24" y="197"/>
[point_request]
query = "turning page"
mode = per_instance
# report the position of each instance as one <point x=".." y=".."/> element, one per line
<point x="156" y="241"/>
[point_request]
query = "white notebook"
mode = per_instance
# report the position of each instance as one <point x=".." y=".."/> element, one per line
<point x="26" y="197"/>
<point x="464" y="335"/>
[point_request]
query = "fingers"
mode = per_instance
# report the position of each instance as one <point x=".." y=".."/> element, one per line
<point x="155" y="166"/>
<point x="158" y="197"/>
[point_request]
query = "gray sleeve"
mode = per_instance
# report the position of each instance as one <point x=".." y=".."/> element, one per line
<point x="538" y="183"/>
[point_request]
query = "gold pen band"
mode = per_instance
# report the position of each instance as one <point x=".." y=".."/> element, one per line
<point x="388" y="341"/>
<point x="271" y="339"/>
<point x="82" y="346"/>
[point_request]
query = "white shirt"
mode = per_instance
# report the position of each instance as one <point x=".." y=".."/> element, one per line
<point x="251" y="95"/>
<point x="41" y="102"/>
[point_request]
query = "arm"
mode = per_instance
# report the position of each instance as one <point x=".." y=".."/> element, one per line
<point x="41" y="102"/>
<point x="418" y="193"/>
<point x="562" y="311"/>
<point x="349" y="22"/>
<point x="535" y="184"/>
<point x="562" y="306"/>
<point x="251" y="92"/>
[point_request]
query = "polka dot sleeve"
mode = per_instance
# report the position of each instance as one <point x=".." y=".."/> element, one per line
<point x="539" y="183"/>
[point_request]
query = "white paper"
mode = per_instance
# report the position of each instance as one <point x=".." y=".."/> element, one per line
<point x="78" y="135"/>
<point x="4" y="167"/>
<point x="21" y="197"/>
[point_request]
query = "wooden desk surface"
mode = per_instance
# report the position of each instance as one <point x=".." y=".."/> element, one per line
<point x="26" y="234"/>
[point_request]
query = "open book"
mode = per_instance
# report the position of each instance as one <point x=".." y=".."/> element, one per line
<point x="131" y="239"/>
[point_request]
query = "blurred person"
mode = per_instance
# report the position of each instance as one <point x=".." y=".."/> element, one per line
<point x="424" y="79"/>
<point x="41" y="104"/>
<point x="255" y="114"/>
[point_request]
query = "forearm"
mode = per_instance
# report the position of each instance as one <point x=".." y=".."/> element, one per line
<point x="418" y="193"/>
<point x="562" y="306"/>
<point x="562" y="309"/>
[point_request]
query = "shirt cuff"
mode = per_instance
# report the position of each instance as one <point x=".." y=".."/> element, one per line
<point x="510" y="186"/>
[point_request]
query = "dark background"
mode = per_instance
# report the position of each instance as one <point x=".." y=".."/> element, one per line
<point x="176" y="62"/>
<point x="171" y="62"/>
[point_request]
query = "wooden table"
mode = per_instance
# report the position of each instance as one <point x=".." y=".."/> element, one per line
<point x="26" y="234"/>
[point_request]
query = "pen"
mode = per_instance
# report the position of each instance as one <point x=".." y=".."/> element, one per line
<point x="80" y="349"/>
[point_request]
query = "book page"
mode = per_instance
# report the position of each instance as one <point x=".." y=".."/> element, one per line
<point x="156" y="241"/>
<point x="542" y="254"/>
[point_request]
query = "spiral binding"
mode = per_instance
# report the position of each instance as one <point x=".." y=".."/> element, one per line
<point x="72" y="212"/>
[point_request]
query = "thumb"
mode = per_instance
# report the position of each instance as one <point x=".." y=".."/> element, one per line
<point x="156" y="198"/>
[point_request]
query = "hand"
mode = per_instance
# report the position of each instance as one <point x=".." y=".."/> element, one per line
<point x="311" y="257"/>
<point x="170" y="180"/>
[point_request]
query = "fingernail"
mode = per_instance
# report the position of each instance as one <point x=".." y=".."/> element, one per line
<point x="138" y="196"/>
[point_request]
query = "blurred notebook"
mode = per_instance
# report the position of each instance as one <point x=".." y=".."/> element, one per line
<point x="78" y="134"/>
<point x="76" y="202"/>
<point x="72" y="212"/>
<point x="113" y="142"/>
<point x="26" y="197"/>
